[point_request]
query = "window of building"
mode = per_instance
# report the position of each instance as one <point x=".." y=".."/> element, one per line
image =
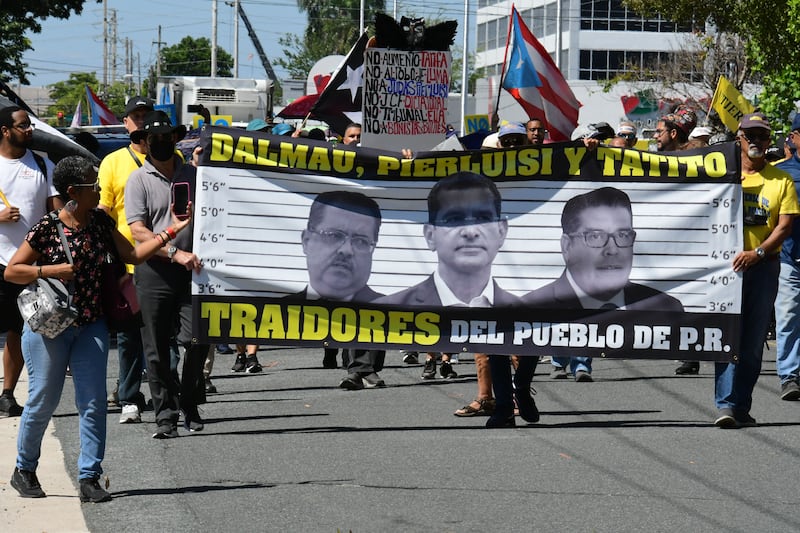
<point x="602" y="15"/>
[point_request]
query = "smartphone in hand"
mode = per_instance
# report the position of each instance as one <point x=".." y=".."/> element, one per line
<point x="180" y="199"/>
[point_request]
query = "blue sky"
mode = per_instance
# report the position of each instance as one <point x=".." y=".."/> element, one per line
<point x="76" y="44"/>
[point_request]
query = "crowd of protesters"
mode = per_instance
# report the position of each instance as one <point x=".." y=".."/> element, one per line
<point x="133" y="192"/>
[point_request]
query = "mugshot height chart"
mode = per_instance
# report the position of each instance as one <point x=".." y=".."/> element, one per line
<point x="253" y="199"/>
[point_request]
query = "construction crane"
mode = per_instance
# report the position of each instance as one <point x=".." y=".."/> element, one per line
<point x="261" y="54"/>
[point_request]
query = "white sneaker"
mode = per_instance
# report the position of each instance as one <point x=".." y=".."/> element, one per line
<point x="130" y="415"/>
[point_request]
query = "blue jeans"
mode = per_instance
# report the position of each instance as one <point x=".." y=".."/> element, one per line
<point x="575" y="363"/>
<point x="734" y="383"/>
<point x="85" y="350"/>
<point x="787" y="323"/>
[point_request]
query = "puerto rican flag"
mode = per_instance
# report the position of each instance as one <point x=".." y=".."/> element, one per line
<point x="533" y="79"/>
<point x="101" y="114"/>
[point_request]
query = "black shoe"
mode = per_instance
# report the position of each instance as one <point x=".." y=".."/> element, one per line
<point x="688" y="368"/>
<point x="446" y="370"/>
<point x="745" y="420"/>
<point x="429" y="371"/>
<point x="500" y="420"/>
<point x="726" y="420"/>
<point x="9" y="406"/>
<point x="210" y="388"/>
<point x="527" y="407"/>
<point x="790" y="391"/>
<point x="410" y="358"/>
<point x="251" y="365"/>
<point x="372" y="381"/>
<point x="191" y="420"/>
<point x="90" y="491"/>
<point x="166" y="431"/>
<point x="352" y="382"/>
<point x="27" y="484"/>
<point x="240" y="364"/>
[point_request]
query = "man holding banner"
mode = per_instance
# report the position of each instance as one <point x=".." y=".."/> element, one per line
<point x="770" y="205"/>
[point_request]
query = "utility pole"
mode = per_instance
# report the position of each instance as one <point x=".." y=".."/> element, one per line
<point x="113" y="45"/>
<point x="158" y="44"/>
<point x="105" y="44"/>
<point x="213" y="38"/>
<point x="236" y="38"/>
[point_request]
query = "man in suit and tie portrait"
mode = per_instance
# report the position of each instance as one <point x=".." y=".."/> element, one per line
<point x="466" y="229"/>
<point x="338" y="243"/>
<point x="597" y="247"/>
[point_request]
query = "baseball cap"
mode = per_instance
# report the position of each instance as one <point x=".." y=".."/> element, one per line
<point x="796" y="122"/>
<point x="511" y="128"/>
<point x="701" y="131"/>
<point x="755" y="120"/>
<point x="257" y="124"/>
<point x="136" y="102"/>
<point x="600" y="130"/>
<point x="627" y="130"/>
<point x="282" y="129"/>
<point x="158" y="122"/>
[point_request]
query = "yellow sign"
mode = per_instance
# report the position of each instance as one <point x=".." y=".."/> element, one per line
<point x="730" y="104"/>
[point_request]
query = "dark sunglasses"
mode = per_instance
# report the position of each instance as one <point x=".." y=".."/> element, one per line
<point x="95" y="186"/>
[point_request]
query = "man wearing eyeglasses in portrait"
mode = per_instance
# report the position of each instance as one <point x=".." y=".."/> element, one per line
<point x="338" y="242"/>
<point x="597" y="246"/>
<point x="27" y="194"/>
<point x="535" y="131"/>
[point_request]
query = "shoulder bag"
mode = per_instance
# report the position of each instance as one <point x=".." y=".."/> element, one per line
<point x="46" y="304"/>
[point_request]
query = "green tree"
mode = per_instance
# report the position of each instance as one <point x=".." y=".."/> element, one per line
<point x="66" y="94"/>
<point x="332" y="29"/>
<point x="17" y="17"/>
<point x="769" y="29"/>
<point x="192" y="57"/>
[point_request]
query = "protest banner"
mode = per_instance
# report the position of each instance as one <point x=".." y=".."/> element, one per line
<point x="405" y="98"/>
<point x="271" y="268"/>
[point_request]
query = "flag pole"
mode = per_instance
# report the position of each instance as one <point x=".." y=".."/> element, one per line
<point x="495" y="118"/>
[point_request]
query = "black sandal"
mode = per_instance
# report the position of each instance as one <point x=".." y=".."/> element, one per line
<point x="485" y="408"/>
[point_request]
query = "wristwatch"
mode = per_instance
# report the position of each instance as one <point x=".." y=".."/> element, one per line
<point x="172" y="250"/>
<point x="760" y="252"/>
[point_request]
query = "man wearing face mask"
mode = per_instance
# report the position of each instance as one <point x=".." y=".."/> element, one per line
<point x="770" y="205"/>
<point x="163" y="283"/>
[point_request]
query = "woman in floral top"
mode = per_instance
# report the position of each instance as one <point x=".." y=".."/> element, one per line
<point x="83" y="347"/>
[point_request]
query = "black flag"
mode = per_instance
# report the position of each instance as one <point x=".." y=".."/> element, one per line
<point x="344" y="90"/>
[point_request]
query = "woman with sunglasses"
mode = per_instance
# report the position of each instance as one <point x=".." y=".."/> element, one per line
<point x="83" y="346"/>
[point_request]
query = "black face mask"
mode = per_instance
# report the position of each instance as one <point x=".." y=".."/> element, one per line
<point x="162" y="150"/>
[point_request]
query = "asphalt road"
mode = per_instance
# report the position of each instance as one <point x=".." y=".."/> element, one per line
<point x="286" y="450"/>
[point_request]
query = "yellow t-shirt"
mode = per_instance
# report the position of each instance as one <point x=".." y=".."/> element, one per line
<point x="114" y="171"/>
<point x="769" y="193"/>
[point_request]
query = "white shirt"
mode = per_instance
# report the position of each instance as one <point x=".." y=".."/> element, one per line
<point x="24" y="187"/>
<point x="587" y="302"/>
<point x="484" y="299"/>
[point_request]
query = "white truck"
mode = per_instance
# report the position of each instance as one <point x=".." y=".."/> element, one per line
<point x="231" y="101"/>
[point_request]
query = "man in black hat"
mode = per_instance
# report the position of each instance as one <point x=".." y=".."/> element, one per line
<point x="113" y="175"/>
<point x="163" y="283"/>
